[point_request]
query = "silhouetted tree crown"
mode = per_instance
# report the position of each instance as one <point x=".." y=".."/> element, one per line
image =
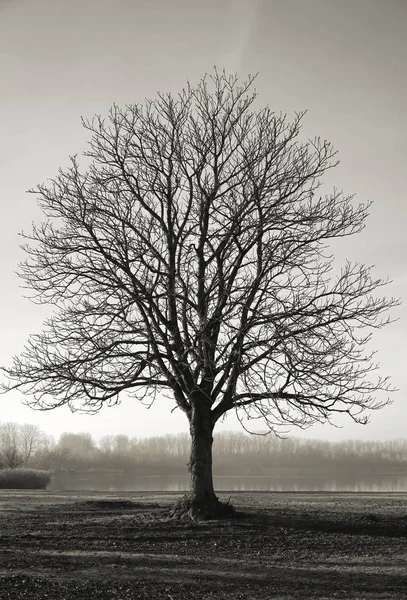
<point x="190" y="258"/>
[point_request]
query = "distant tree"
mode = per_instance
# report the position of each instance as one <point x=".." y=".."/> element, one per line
<point x="117" y="451"/>
<point x="10" y="450"/>
<point x="32" y="438"/>
<point x="53" y="457"/>
<point x="81" y="443"/>
<point x="122" y="443"/>
<point x="18" y="443"/>
<point x="72" y="451"/>
<point x="107" y="444"/>
<point x="190" y="258"/>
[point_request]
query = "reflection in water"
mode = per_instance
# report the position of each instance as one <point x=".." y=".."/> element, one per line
<point x="279" y="483"/>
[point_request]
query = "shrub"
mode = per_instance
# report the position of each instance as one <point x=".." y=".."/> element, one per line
<point x="24" y="479"/>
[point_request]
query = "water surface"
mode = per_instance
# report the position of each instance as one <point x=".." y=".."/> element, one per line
<point x="363" y="482"/>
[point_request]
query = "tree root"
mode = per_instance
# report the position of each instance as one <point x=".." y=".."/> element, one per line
<point x="190" y="508"/>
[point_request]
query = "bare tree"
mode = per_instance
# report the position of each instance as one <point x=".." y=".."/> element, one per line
<point x="11" y="455"/>
<point x="32" y="439"/>
<point x="54" y="457"/>
<point x="189" y="257"/>
<point x="18" y="443"/>
<point x="107" y="444"/>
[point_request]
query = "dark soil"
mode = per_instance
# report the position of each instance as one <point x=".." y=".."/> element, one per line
<point x="126" y="546"/>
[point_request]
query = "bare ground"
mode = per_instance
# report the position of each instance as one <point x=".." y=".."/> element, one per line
<point x="291" y="546"/>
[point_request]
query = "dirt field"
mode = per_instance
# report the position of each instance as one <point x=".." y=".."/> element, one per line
<point x="123" y="546"/>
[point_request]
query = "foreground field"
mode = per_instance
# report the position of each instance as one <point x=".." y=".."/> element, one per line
<point x="289" y="546"/>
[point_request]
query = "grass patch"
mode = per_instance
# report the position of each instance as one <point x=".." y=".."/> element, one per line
<point x="24" y="479"/>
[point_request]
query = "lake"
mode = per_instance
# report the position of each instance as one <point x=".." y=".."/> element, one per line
<point x="363" y="482"/>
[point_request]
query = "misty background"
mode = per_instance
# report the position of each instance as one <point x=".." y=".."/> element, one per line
<point x="242" y="462"/>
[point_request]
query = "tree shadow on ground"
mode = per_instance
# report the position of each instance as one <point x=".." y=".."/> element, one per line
<point x="350" y="524"/>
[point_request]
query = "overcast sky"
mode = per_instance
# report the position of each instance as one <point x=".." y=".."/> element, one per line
<point x="344" y="61"/>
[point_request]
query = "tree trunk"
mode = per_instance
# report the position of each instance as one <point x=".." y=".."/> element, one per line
<point x="201" y="502"/>
<point x="200" y="464"/>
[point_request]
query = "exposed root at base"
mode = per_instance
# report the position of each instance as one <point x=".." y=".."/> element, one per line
<point x="191" y="509"/>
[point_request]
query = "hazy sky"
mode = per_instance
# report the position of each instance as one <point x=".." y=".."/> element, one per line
<point x="345" y="61"/>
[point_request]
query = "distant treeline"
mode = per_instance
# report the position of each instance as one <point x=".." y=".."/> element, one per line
<point x="234" y="453"/>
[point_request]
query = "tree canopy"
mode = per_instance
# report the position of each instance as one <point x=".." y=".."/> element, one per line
<point x="190" y="257"/>
<point x="191" y="254"/>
